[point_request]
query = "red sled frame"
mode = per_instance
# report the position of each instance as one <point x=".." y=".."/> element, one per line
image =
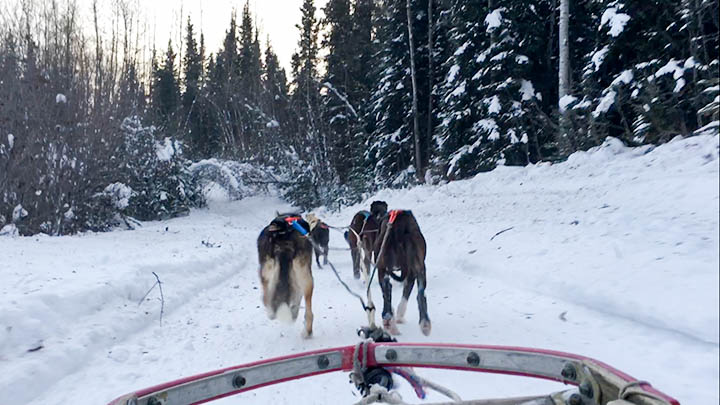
<point x="597" y="382"/>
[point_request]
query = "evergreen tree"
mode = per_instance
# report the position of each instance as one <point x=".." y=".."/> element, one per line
<point x="646" y="77"/>
<point x="390" y="148"/>
<point x="339" y="112"/>
<point x="363" y="51"/>
<point x="249" y="83"/>
<point x="498" y="83"/>
<point x="195" y="120"/>
<point x="305" y="61"/>
<point x="274" y="105"/>
<point x="166" y="91"/>
<point x="223" y="74"/>
<point x="309" y="145"/>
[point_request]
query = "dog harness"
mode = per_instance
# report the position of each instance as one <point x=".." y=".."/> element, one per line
<point x="394" y="214"/>
<point x="293" y="221"/>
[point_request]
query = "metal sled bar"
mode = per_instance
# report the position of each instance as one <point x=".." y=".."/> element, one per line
<point x="603" y="380"/>
<point x="595" y="379"/>
<point x="229" y="381"/>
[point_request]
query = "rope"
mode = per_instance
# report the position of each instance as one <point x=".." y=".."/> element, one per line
<point x="380" y="394"/>
<point x="336" y="227"/>
<point x="309" y="237"/>
<point x="377" y="259"/>
<point x="339" y="249"/>
<point x="418" y="383"/>
<point x="353" y="293"/>
<point x="358" y="367"/>
<point x="626" y="391"/>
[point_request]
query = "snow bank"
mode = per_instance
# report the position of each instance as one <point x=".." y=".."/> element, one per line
<point x="67" y="299"/>
<point x="631" y="232"/>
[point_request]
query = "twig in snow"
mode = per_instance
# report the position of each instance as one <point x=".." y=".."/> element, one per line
<point x="162" y="297"/>
<point x="130" y="222"/>
<point x="504" y="230"/>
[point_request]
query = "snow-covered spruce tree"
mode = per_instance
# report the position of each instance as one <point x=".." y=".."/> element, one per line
<point x="496" y="81"/>
<point x="274" y="101"/>
<point x="195" y="124"/>
<point x="309" y="170"/>
<point x="460" y="90"/>
<point x="339" y="113"/>
<point x="223" y="73"/>
<point x="247" y="91"/>
<point x="156" y="175"/>
<point x="346" y="90"/>
<point x="362" y="69"/>
<point x="165" y="94"/>
<point x="647" y="76"/>
<point x="390" y="148"/>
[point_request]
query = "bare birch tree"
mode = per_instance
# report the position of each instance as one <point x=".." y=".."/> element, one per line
<point x="416" y="120"/>
<point x="564" y="75"/>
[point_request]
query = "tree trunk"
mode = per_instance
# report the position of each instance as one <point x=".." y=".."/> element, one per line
<point x="564" y="74"/>
<point x="416" y="121"/>
<point x="430" y="74"/>
<point x="98" y="61"/>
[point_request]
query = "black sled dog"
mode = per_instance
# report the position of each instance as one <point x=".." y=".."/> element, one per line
<point x="321" y="235"/>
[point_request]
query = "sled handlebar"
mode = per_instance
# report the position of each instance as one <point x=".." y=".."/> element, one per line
<point x="597" y="382"/>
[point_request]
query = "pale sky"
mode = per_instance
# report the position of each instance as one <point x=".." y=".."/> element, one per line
<point x="276" y="18"/>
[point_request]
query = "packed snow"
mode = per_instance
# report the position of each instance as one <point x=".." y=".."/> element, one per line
<point x="612" y="254"/>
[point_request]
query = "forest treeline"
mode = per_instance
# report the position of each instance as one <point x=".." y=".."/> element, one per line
<point x="97" y="128"/>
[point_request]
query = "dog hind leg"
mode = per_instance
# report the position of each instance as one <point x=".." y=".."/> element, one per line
<point x="408" y="285"/>
<point x="425" y="325"/>
<point x="388" y="318"/>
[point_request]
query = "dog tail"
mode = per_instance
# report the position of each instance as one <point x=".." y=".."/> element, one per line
<point x="282" y="290"/>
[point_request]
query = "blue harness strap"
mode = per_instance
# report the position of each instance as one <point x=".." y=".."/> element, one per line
<point x="295" y="224"/>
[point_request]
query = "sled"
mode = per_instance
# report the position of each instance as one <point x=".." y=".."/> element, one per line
<point x="595" y="383"/>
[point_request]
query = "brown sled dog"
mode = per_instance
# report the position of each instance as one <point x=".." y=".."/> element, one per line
<point x="285" y="257"/>
<point x="404" y="249"/>
<point x="362" y="234"/>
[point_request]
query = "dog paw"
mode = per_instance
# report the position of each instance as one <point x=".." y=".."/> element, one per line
<point x="306" y="334"/>
<point x="425" y="327"/>
<point x="390" y="326"/>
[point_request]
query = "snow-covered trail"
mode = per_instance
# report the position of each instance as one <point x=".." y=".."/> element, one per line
<point x="612" y="255"/>
<point x="223" y="326"/>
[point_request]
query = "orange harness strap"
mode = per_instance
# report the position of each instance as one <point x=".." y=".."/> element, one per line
<point x="394" y="214"/>
<point x="290" y="220"/>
